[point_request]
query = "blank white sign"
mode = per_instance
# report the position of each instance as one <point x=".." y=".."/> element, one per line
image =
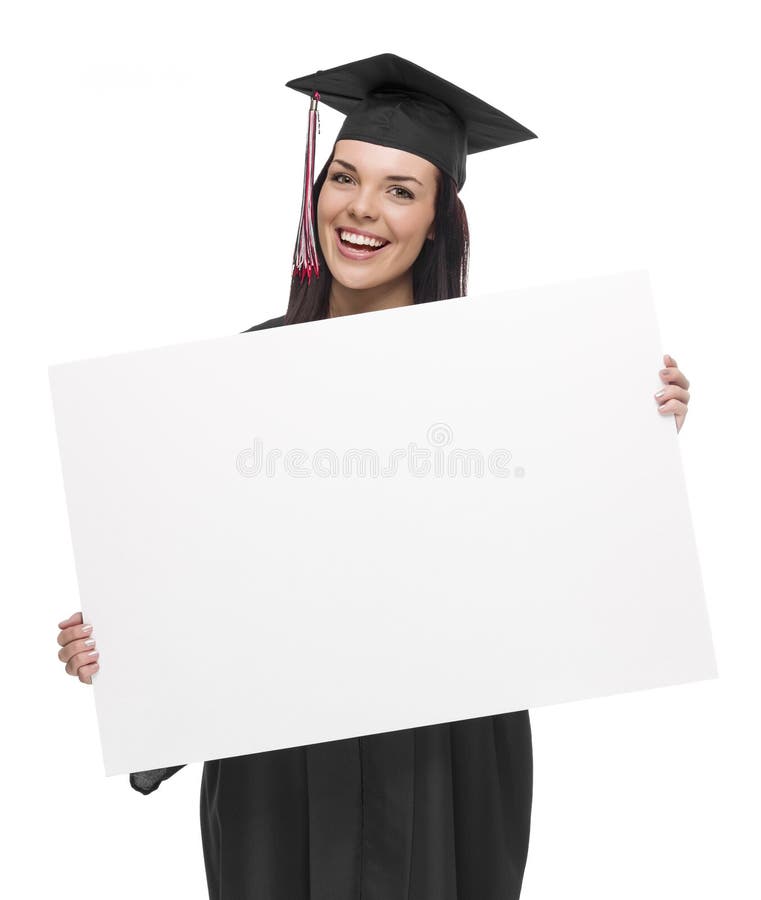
<point x="379" y="521"/>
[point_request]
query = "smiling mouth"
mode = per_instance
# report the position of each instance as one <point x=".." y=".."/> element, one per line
<point x="358" y="243"/>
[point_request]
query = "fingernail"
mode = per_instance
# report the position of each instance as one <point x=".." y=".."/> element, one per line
<point x="661" y="393"/>
<point x="90" y="643"/>
<point x="87" y="629"/>
<point x="93" y="653"/>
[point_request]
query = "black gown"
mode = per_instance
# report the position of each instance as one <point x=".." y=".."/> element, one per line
<point x="439" y="812"/>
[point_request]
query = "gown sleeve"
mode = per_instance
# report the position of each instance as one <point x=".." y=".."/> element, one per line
<point x="148" y="781"/>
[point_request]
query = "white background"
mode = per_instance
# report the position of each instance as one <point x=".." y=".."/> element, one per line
<point x="150" y="187"/>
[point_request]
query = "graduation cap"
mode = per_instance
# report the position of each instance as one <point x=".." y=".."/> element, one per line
<point x="391" y="101"/>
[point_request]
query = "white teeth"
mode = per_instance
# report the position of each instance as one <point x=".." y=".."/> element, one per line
<point x="360" y="239"/>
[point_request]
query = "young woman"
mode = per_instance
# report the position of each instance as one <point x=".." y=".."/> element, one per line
<point x="440" y="811"/>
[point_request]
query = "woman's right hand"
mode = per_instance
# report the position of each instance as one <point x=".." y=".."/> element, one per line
<point x="78" y="648"/>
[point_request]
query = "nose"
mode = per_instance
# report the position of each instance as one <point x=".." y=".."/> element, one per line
<point x="362" y="205"/>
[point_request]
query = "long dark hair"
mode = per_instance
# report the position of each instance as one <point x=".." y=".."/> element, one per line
<point x="440" y="271"/>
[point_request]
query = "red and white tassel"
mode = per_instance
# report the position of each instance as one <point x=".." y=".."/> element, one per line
<point x="305" y="255"/>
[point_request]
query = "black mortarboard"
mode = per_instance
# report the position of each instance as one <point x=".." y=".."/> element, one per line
<point x="393" y="102"/>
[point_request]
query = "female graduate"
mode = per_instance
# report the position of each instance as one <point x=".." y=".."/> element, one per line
<point x="439" y="812"/>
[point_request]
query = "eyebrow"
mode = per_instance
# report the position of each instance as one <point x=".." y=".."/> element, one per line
<point x="351" y="168"/>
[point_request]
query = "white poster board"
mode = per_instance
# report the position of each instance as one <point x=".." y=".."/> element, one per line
<point x="379" y="521"/>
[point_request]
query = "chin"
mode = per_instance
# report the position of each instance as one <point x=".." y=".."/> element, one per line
<point x="356" y="283"/>
<point x="353" y="277"/>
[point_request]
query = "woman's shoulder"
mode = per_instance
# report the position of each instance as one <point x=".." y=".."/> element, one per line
<point x="270" y="323"/>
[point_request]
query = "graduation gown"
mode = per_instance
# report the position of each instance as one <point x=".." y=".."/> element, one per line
<point x="439" y="812"/>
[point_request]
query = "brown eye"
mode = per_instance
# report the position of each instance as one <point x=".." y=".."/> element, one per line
<point x="405" y="195"/>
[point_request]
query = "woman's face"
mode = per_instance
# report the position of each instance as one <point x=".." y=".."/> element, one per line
<point x="379" y="193"/>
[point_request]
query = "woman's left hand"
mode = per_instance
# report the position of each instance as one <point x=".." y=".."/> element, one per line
<point x="674" y="396"/>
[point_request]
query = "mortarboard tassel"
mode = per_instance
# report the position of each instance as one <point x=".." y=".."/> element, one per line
<point x="305" y="255"/>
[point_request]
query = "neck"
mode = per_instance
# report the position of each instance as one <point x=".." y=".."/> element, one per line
<point x="346" y="301"/>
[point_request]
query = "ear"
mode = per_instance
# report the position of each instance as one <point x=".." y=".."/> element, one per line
<point x="431" y="235"/>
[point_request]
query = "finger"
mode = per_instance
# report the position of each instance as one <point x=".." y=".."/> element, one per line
<point x="81" y="659"/>
<point x="81" y="646"/>
<point x="672" y="375"/>
<point x="672" y="392"/>
<point x="673" y="406"/>
<point x="86" y="673"/>
<point x="669" y="360"/>
<point x="74" y="619"/>
<point x="75" y="633"/>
